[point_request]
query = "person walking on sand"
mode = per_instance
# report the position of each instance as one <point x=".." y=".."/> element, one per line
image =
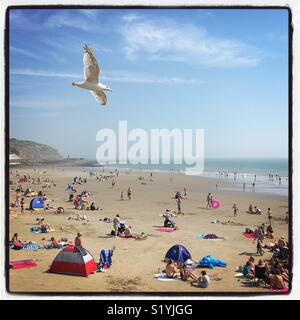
<point x="113" y="182"/>
<point x="269" y="216"/>
<point x="129" y="191"/>
<point x="18" y="199"/>
<point x="122" y="196"/>
<point x="235" y="209"/>
<point x="208" y="200"/>
<point x="178" y="200"/>
<point x="287" y="217"/>
<point x="253" y="186"/>
<point x="185" y="193"/>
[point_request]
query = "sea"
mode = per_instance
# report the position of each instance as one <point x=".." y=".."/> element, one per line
<point x="269" y="175"/>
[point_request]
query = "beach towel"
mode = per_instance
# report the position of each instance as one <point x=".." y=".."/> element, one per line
<point x="31" y="246"/>
<point x="20" y="264"/>
<point x="163" y="277"/>
<point x="249" y="235"/>
<point x="280" y="290"/>
<point x="47" y="246"/>
<point x="210" y="262"/>
<point x="239" y="275"/>
<point x="163" y="229"/>
<point x="39" y="230"/>
<point x="125" y="238"/>
<point x="206" y="237"/>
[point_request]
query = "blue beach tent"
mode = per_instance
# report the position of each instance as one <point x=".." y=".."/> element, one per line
<point x="178" y="253"/>
<point x="37" y="204"/>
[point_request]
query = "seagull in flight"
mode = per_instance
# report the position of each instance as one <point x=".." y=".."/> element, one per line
<point x="91" y="73"/>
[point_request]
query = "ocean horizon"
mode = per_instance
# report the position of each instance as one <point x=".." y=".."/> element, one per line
<point x="255" y="166"/>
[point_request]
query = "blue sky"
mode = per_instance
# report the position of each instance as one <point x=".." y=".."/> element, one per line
<point x="224" y="71"/>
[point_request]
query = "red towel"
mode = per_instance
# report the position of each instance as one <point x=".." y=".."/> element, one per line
<point x="20" y="264"/>
<point x="249" y="235"/>
<point x="124" y="238"/>
<point x="163" y="229"/>
<point x="280" y="290"/>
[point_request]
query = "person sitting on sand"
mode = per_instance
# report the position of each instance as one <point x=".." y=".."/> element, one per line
<point x="48" y="207"/>
<point x="78" y="241"/>
<point x="116" y="224"/>
<point x="185" y="274"/>
<point x="203" y="280"/>
<point x="172" y="270"/>
<point x="169" y="223"/>
<point x="141" y="236"/>
<point x="14" y="239"/>
<point x="53" y="243"/>
<point x="60" y="210"/>
<point x="250" y="210"/>
<point x="277" y="280"/>
<point x="251" y="264"/>
<point x="45" y="227"/>
<point x="247" y="272"/>
<point x="93" y="207"/>
<point x="127" y="232"/>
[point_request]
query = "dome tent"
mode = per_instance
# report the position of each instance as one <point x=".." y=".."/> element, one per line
<point x="178" y="253"/>
<point x="74" y="261"/>
<point x="36" y="204"/>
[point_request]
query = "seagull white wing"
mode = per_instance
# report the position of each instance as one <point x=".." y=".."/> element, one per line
<point x="91" y="68"/>
<point x="100" y="96"/>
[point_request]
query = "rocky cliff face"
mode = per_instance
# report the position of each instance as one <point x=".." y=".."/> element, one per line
<point x="32" y="151"/>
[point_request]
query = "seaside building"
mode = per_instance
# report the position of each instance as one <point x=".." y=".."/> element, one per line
<point x="13" y="159"/>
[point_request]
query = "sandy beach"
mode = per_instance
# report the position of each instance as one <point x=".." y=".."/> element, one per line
<point x="135" y="262"/>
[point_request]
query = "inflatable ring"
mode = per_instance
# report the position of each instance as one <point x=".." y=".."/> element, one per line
<point x="215" y="204"/>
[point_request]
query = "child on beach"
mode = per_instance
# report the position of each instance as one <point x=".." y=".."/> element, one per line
<point x="259" y="248"/>
<point x="209" y="200"/>
<point x="235" y="209"/>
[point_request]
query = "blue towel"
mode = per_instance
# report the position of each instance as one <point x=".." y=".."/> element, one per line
<point x="48" y="246"/>
<point x="31" y="246"/>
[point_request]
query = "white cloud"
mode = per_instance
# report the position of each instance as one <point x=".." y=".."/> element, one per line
<point x="44" y="73"/>
<point x="127" y="77"/>
<point x="172" y="41"/>
<point x="26" y="53"/>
